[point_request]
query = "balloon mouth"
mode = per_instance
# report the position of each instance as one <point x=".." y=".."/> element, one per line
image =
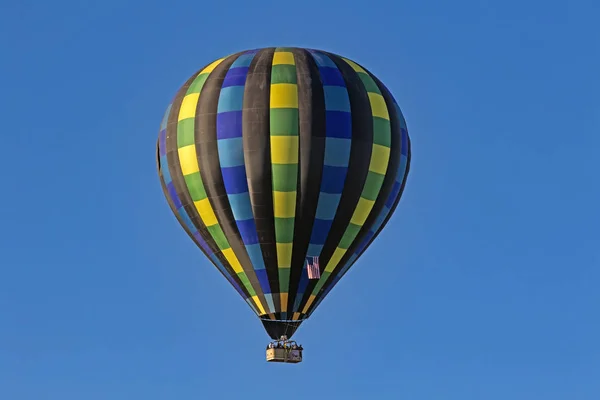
<point x="276" y="329"/>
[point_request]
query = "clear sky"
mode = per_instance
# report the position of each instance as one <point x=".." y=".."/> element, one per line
<point x="484" y="286"/>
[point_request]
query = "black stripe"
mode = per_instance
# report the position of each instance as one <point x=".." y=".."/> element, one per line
<point x="386" y="188"/>
<point x="358" y="166"/>
<point x="179" y="181"/>
<point x="311" y="109"/>
<point x="276" y="329"/>
<point x="207" y="152"/>
<point x="257" y="155"/>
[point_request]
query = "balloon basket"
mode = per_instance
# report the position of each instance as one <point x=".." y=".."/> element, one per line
<point x="284" y="351"/>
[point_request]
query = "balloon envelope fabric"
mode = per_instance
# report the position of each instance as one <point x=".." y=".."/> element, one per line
<point x="273" y="156"/>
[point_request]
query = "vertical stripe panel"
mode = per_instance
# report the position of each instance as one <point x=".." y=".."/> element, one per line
<point x="217" y="98"/>
<point x="358" y="165"/>
<point x="284" y="142"/>
<point x="338" y="132"/>
<point x="380" y="156"/>
<point x="180" y="213"/>
<point x="233" y="171"/>
<point x="389" y="195"/>
<point x="178" y="188"/>
<point x="257" y="159"/>
<point x="312" y="127"/>
<point x="186" y="150"/>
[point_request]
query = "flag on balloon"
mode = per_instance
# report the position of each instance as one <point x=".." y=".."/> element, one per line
<point x="312" y="267"/>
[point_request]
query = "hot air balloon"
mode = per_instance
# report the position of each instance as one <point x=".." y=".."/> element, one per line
<point x="283" y="165"/>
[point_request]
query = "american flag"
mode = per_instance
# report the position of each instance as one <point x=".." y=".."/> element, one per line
<point x="313" y="267"/>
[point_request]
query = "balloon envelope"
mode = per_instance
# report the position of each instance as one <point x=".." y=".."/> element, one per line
<point x="272" y="157"/>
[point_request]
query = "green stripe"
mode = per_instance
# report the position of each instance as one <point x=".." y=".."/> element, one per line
<point x="368" y="83"/>
<point x="284" y="121"/>
<point x="195" y="186"/>
<point x="372" y="186"/>
<point x="185" y="132"/>
<point x="351" y="232"/>
<point x="218" y="236"/>
<point x="244" y="278"/>
<point x="284" y="177"/>
<point x="283" y="73"/>
<point x="196" y="86"/>
<point x="321" y="282"/>
<point x="382" y="129"/>
<point x="284" y="279"/>
<point x="284" y="230"/>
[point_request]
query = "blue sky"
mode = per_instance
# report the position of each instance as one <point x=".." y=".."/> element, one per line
<point x="484" y="285"/>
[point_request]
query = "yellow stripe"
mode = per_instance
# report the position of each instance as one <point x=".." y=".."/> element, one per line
<point x="231" y="257"/>
<point x="209" y="68"/>
<point x="284" y="204"/>
<point x="380" y="156"/>
<point x="284" y="255"/>
<point x="284" y="149"/>
<point x="188" y="106"/>
<point x="260" y="307"/>
<point x="378" y="106"/>
<point x="308" y="303"/>
<point x="335" y="259"/>
<point x="284" y="95"/>
<point x="361" y="212"/>
<point x="206" y="212"/>
<point x="272" y="316"/>
<point x="284" y="300"/>
<point x="355" y="66"/>
<point x="296" y="316"/>
<point x="187" y="159"/>
<point x="283" y="57"/>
